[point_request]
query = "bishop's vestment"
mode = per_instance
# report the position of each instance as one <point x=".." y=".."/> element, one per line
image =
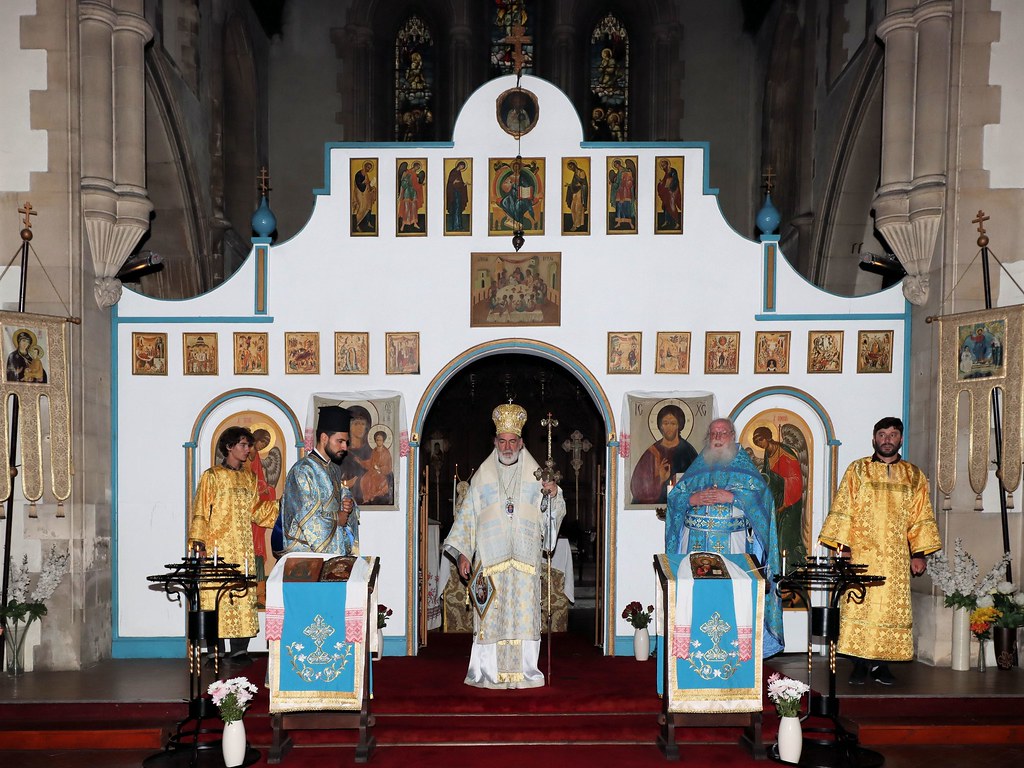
<point x="506" y="640"/>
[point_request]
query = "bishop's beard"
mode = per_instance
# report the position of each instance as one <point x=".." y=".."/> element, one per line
<point x="717" y="457"/>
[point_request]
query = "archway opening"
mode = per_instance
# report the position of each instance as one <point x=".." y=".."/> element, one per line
<point x="458" y="434"/>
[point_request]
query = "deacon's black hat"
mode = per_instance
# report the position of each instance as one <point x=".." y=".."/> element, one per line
<point x="333" y="418"/>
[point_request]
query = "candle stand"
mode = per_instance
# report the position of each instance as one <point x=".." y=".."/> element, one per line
<point x="833" y="744"/>
<point x="187" y="580"/>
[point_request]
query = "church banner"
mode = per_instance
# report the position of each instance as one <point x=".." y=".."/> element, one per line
<point x="979" y="352"/>
<point x="35" y="350"/>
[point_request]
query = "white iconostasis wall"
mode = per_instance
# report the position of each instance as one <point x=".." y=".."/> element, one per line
<point x="327" y="279"/>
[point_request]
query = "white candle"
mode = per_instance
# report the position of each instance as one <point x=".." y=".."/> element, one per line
<point x="214" y="555"/>
<point x="247" y="566"/>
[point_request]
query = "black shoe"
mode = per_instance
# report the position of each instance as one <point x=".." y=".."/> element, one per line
<point x="880" y="674"/>
<point x="859" y="676"/>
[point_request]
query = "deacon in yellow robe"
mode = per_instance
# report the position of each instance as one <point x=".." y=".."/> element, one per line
<point x="881" y="516"/>
<point x="226" y="504"/>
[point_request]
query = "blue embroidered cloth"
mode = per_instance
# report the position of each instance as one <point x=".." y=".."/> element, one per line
<point x="315" y="655"/>
<point x="715" y="634"/>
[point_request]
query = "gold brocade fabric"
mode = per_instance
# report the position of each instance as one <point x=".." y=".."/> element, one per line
<point x="882" y="512"/>
<point x="227" y="502"/>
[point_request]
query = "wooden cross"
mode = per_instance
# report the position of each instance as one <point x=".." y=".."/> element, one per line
<point x="28" y="211"/>
<point x="264" y="180"/>
<point x="980" y="221"/>
<point x="769" y="174"/>
<point x="517" y="40"/>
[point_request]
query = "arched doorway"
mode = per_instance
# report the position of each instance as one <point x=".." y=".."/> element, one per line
<point x="456" y="434"/>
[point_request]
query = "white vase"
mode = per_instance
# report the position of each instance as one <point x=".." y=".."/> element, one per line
<point x="642" y="644"/>
<point x="791" y="739"/>
<point x="960" y="657"/>
<point x="380" y="645"/>
<point x="232" y="742"/>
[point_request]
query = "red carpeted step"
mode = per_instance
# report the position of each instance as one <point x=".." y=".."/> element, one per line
<point x="93" y="735"/>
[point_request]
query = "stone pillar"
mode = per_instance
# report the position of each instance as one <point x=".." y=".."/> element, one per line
<point x="909" y="202"/>
<point x="115" y="203"/>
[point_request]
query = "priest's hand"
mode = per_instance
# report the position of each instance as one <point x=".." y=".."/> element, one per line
<point x="464" y="566"/>
<point x="347" y="505"/>
<point x="918" y="564"/>
<point x="549" y="488"/>
<point x="711" y="496"/>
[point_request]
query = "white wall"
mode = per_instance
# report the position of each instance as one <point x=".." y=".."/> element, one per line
<point x="708" y="279"/>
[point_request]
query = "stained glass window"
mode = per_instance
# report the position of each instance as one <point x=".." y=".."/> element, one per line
<point x="609" y="81"/>
<point x="415" y="76"/>
<point x="513" y="21"/>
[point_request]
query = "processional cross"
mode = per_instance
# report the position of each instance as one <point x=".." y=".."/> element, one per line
<point x="577" y="445"/>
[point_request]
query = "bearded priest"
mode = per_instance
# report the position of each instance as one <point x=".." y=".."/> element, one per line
<point x="504" y="522"/>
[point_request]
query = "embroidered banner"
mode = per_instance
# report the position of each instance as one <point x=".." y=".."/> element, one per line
<point x="978" y="352"/>
<point x="35" y="352"/>
<point x="315" y="653"/>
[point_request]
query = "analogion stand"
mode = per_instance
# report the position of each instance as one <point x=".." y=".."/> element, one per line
<point x="834" y="745"/>
<point x="190" y="578"/>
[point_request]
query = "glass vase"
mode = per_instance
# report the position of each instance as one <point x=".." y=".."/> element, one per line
<point x="14" y="640"/>
<point x="981" y="654"/>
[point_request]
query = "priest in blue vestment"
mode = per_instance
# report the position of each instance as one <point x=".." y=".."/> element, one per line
<point x="722" y="504"/>
<point x="318" y="513"/>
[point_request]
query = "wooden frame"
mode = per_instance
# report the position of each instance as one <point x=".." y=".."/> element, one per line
<point x="673" y="355"/>
<point x="250" y="353"/>
<point x="302" y="352"/>
<point x="623" y="182"/>
<point x="625" y="351"/>
<point x="576" y="207"/>
<point x="721" y="352"/>
<point x="411" y="197"/>
<point x="402" y="351"/>
<point x="458" y="196"/>
<point x="874" y="351"/>
<point x="351" y="352"/>
<point x="824" y="351"/>
<point x="514" y="206"/>
<point x="772" y="351"/>
<point x="668" y="193"/>
<point x="515" y="289"/>
<point x="149" y="354"/>
<point x="199" y="354"/>
<point x="517" y="111"/>
<point x="364" y="181"/>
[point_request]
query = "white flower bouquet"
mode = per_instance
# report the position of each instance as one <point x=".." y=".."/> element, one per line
<point x="232" y="697"/>
<point x="785" y="693"/>
<point x="958" y="580"/>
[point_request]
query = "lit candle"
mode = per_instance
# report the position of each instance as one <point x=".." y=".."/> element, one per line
<point x="214" y="555"/>
<point x="247" y="566"/>
<point x="783" y="562"/>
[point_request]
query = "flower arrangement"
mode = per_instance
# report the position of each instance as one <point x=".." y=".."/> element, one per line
<point x="232" y="697"/>
<point x="383" y="614"/>
<point x="20" y="608"/>
<point x="981" y="621"/>
<point x="1010" y="603"/>
<point x="635" y="614"/>
<point x="958" y="581"/>
<point x="785" y="693"/>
